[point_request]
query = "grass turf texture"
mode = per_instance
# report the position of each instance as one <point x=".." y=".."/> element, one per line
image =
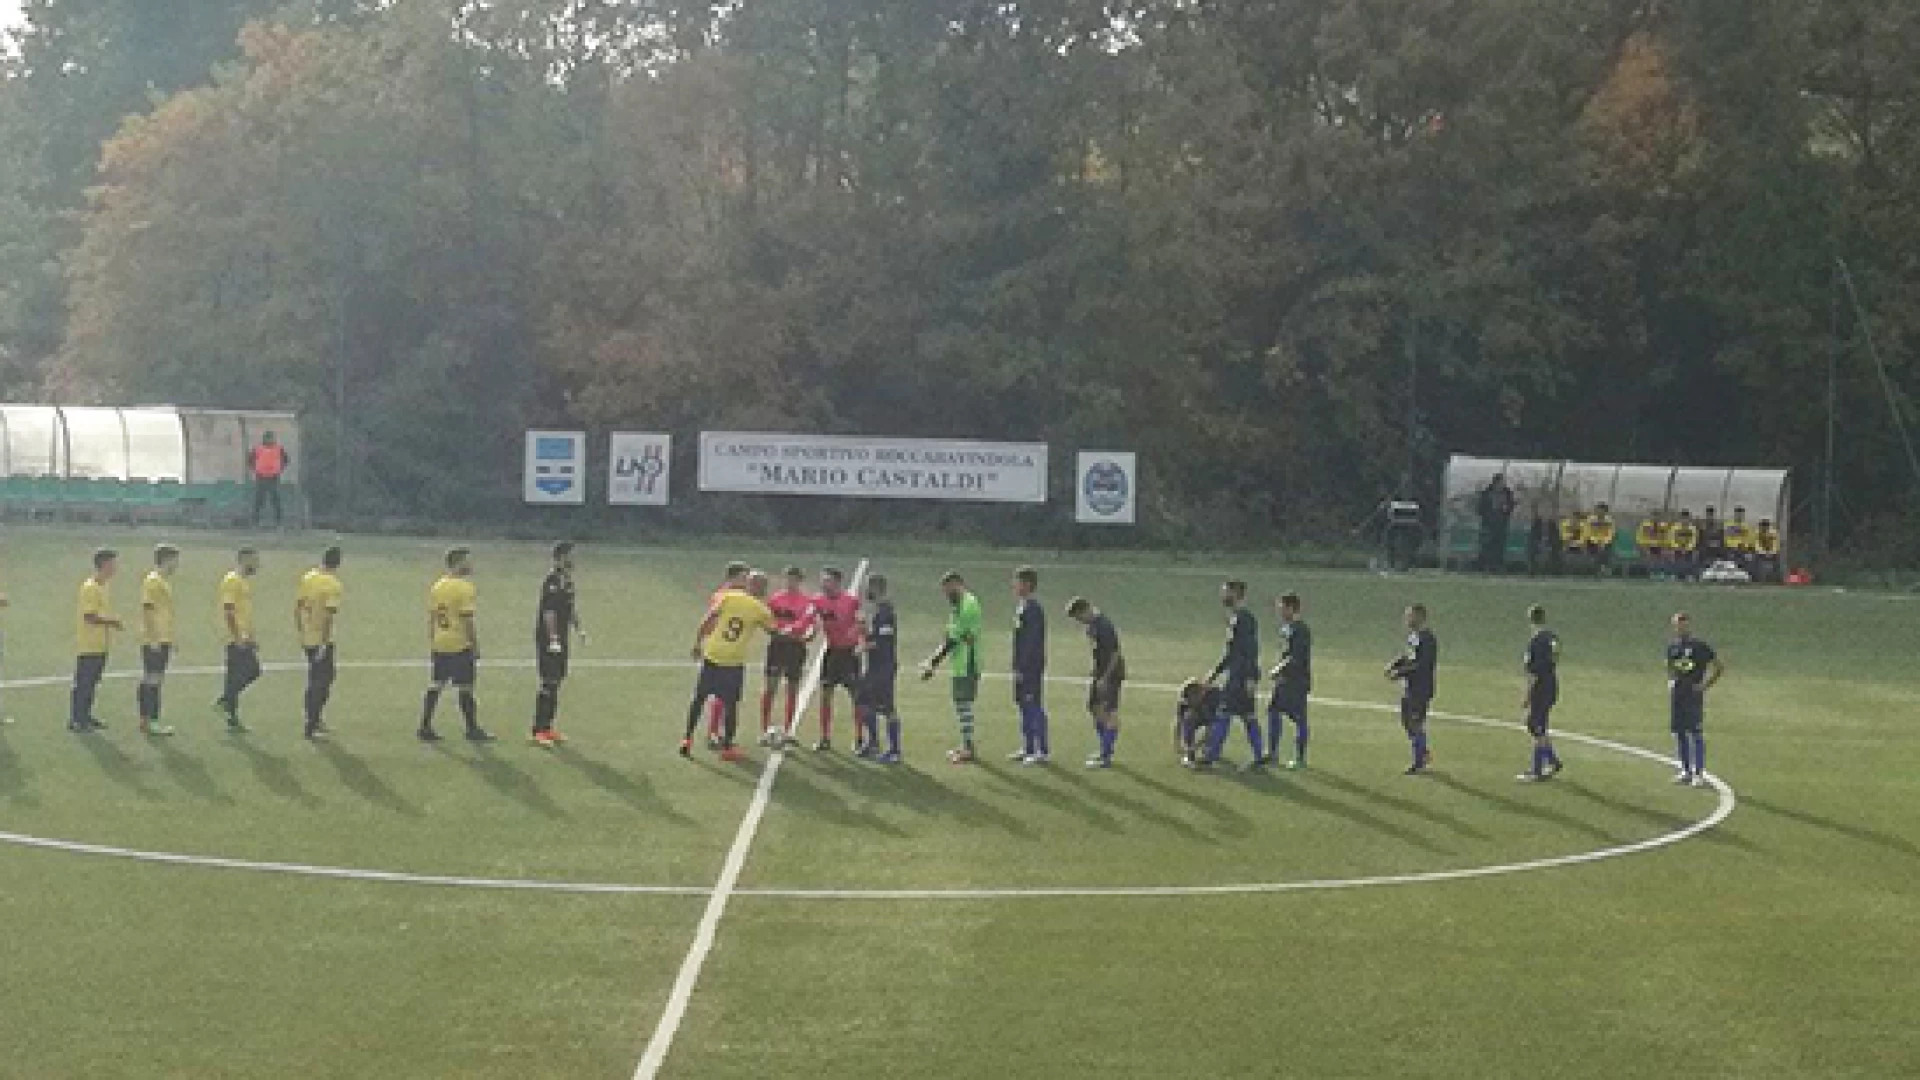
<point x="1770" y="947"/>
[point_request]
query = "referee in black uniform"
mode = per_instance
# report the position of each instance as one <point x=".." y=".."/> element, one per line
<point x="558" y="617"/>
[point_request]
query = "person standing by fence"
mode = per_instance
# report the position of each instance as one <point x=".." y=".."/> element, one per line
<point x="266" y="464"/>
<point x="1495" y="507"/>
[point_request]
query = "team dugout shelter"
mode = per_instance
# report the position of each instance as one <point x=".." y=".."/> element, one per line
<point x="160" y="463"/>
<point x="1552" y="490"/>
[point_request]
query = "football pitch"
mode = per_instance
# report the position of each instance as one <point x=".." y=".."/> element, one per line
<point x="261" y="906"/>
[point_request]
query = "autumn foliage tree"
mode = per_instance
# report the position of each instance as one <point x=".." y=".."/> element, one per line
<point x="1292" y="251"/>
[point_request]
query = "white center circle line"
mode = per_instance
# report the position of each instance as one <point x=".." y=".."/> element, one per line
<point x="1723" y="808"/>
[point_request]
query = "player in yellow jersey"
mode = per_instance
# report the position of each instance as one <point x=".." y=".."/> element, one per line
<point x="316" y="607"/>
<point x="94" y="633"/>
<point x="236" y="619"/>
<point x="453" y="627"/>
<point x="721" y="645"/>
<point x="156" y="636"/>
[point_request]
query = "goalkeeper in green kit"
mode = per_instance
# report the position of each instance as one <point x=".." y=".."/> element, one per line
<point x="962" y="649"/>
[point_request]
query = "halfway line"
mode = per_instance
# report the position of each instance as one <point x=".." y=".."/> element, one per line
<point x="703" y="938"/>
<point x="669" y="1025"/>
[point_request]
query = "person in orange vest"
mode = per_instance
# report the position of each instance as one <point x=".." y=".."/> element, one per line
<point x="267" y="463"/>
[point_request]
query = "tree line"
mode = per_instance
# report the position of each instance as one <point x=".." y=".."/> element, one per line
<point x="1292" y="251"/>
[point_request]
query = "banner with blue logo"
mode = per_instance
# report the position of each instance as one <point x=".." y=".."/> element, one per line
<point x="556" y="468"/>
<point x="1106" y="488"/>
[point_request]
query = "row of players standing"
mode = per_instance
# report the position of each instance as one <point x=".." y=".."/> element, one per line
<point x="789" y="617"/>
<point x="863" y="660"/>
<point x="452" y="629"/>
<point x="1207" y="708"/>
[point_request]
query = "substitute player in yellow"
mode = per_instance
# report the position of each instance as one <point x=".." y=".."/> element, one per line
<point x="243" y="652"/>
<point x="93" y="634"/>
<point x="156" y="636"/>
<point x="316" y="606"/>
<point x="454" y="629"/>
<point x="721" y="644"/>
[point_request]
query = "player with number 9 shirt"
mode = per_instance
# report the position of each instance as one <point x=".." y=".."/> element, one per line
<point x="723" y="640"/>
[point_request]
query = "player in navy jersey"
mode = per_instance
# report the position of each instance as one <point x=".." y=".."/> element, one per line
<point x="1109" y="676"/>
<point x="1693" y="668"/>
<point x="1239" y="667"/>
<point x="1030" y="667"/>
<point x="1542" y="664"/>
<point x="1200" y="724"/>
<point x="1292" y="681"/>
<point x="877" y="678"/>
<point x="1415" y="670"/>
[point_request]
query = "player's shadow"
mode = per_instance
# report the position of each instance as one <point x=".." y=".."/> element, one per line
<point x="360" y="779"/>
<point x="1039" y="790"/>
<point x="631" y="790"/>
<point x="1858" y="833"/>
<point x="14" y="776"/>
<point x="191" y="773"/>
<point x="273" y="771"/>
<point x="1142" y="810"/>
<point x="118" y="767"/>
<point x="1526" y="809"/>
<point x="1656" y="818"/>
<point x="1310" y="799"/>
<point x="745" y="776"/>
<point x="512" y="782"/>
<point x="1232" y="822"/>
<point x="800" y="790"/>
<point x="1398" y="802"/>
<point x="918" y="791"/>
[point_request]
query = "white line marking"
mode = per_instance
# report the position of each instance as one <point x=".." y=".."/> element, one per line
<point x="703" y="938"/>
<point x="1728" y="800"/>
<point x="709" y="929"/>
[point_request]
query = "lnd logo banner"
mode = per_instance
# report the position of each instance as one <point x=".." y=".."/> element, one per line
<point x="639" y="469"/>
<point x="1106" y="488"/>
<point x="556" y="461"/>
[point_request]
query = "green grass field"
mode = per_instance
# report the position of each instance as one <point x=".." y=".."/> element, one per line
<point x="1778" y="944"/>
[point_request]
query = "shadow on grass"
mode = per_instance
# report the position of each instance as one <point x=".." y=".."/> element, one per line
<point x="801" y="790"/>
<point x="360" y="779"/>
<point x="1526" y="809"/>
<point x="1306" y="797"/>
<point x="1665" y="821"/>
<point x="272" y="771"/>
<point x="1857" y="833"/>
<point x="1035" y="787"/>
<point x="1145" y="811"/>
<point x="1232" y="821"/>
<point x="745" y="773"/>
<point x="1401" y="803"/>
<point x="190" y="773"/>
<point x="14" y="777"/>
<point x="632" y="790"/>
<point x="511" y="781"/>
<point x="912" y="789"/>
<point x="117" y="766"/>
